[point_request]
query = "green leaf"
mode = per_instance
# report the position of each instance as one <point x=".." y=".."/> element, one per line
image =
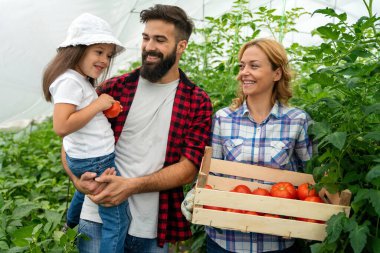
<point x="328" y="32"/>
<point x="23" y="211"/>
<point x="3" y="245"/>
<point x="373" y="136"/>
<point x="360" y="200"/>
<point x="337" y="139"/>
<point x="358" y="237"/>
<point x="374" y="243"/>
<point x="375" y="108"/>
<point x="319" y="129"/>
<point x="327" y="11"/>
<point x="334" y="227"/>
<point x="20" y="234"/>
<point x="374" y="199"/>
<point x="53" y="217"/>
<point x="373" y="176"/>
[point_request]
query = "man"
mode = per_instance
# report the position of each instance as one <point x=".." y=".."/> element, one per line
<point x="160" y="139"/>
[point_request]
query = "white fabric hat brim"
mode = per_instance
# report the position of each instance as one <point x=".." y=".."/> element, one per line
<point x="88" y="40"/>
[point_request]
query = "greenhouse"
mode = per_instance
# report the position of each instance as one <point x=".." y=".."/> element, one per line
<point x="333" y="47"/>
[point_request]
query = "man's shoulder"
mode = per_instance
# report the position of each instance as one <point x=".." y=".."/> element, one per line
<point x="124" y="78"/>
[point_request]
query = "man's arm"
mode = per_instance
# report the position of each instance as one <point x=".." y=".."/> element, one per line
<point x="119" y="189"/>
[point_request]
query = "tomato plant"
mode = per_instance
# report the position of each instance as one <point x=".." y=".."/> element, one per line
<point x="114" y="110"/>
<point x="305" y="190"/>
<point x="283" y="190"/>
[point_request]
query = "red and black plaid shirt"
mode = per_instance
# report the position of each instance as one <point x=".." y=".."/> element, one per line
<point x="189" y="133"/>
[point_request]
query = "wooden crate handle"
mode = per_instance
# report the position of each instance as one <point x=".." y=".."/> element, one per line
<point x="345" y="198"/>
<point x="205" y="168"/>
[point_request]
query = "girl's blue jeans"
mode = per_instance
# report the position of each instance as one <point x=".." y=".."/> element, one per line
<point x="115" y="219"/>
<point x="133" y="244"/>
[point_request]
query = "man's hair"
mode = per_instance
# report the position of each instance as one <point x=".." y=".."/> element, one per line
<point x="171" y="14"/>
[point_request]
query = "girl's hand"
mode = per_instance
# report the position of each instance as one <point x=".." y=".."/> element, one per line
<point x="104" y="101"/>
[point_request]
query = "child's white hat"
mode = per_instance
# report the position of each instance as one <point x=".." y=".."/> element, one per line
<point x="88" y="29"/>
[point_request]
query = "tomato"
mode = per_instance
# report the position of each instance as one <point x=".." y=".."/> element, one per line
<point x="234" y="210"/>
<point x="114" y="110"/>
<point x="261" y="191"/>
<point x="314" y="199"/>
<point x="272" y="215"/>
<point x="207" y="186"/>
<point x="283" y="190"/>
<point x="214" y="208"/>
<point x="241" y="188"/>
<point x="311" y="220"/>
<point x="304" y="191"/>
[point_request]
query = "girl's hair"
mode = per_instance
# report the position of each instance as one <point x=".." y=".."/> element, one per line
<point x="66" y="58"/>
<point x="278" y="58"/>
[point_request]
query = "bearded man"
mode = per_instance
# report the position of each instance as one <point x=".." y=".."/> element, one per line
<point x="159" y="140"/>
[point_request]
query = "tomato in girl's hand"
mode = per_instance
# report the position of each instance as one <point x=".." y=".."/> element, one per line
<point x="304" y="190"/>
<point x="114" y="110"/>
<point x="283" y="190"/>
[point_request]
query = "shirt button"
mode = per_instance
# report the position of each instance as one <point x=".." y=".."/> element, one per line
<point x="257" y="145"/>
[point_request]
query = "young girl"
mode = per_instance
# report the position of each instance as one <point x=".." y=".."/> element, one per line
<point x="78" y="116"/>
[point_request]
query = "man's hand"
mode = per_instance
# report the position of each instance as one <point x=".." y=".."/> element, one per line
<point x="87" y="184"/>
<point x="116" y="190"/>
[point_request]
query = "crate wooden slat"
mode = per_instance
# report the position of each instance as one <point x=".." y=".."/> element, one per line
<point x="289" y="209"/>
<point x="267" y="225"/>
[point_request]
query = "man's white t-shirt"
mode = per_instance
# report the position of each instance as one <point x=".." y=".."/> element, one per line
<point x="96" y="137"/>
<point x="141" y="150"/>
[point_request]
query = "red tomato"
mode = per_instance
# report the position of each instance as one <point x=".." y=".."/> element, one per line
<point x="261" y="191"/>
<point x="207" y="186"/>
<point x="214" y="208"/>
<point x="252" y="212"/>
<point x="241" y="188"/>
<point x="304" y="190"/>
<point x="272" y="215"/>
<point x="314" y="199"/>
<point x="311" y="220"/>
<point x="283" y="190"/>
<point x="234" y="210"/>
<point x="114" y="110"/>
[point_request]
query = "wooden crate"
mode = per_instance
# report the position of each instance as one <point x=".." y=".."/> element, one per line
<point x="221" y="196"/>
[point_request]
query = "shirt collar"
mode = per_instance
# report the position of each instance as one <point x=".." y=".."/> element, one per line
<point x="275" y="111"/>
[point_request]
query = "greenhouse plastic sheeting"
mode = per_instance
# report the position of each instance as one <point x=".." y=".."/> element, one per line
<point x="31" y="30"/>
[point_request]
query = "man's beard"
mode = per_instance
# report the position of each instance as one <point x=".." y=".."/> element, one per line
<point x="155" y="71"/>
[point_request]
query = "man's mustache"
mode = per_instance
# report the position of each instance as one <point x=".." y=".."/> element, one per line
<point x="152" y="53"/>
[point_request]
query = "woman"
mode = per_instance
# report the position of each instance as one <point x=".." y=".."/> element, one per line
<point x="259" y="128"/>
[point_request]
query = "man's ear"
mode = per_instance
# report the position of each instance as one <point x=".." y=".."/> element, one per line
<point x="181" y="46"/>
<point x="277" y="74"/>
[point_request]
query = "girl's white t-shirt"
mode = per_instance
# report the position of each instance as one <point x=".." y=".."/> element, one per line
<point x="96" y="137"/>
<point x="141" y="151"/>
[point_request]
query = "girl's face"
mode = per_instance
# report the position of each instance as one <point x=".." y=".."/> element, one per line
<point x="95" y="60"/>
<point x="256" y="75"/>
